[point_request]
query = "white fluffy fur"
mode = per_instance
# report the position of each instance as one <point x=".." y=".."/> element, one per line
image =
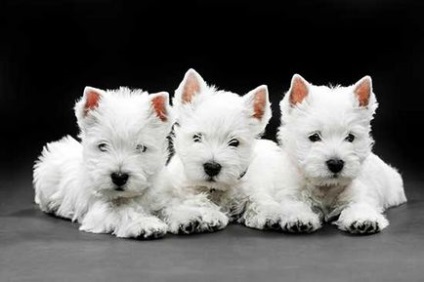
<point x="73" y="179"/>
<point x="293" y="188"/>
<point x="201" y="204"/>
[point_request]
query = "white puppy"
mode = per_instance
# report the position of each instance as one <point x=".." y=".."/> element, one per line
<point x="105" y="182"/>
<point x="214" y="138"/>
<point x="325" y="168"/>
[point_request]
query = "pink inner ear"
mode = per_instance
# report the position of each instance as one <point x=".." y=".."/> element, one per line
<point x="191" y="87"/>
<point x="92" y="99"/>
<point x="299" y="91"/>
<point x="159" y="105"/>
<point x="363" y="92"/>
<point x="259" y="104"/>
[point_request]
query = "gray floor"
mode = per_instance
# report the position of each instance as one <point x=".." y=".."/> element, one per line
<point x="37" y="247"/>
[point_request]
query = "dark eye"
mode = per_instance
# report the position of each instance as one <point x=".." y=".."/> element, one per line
<point x="315" y="137"/>
<point x="102" y="147"/>
<point x="350" y="138"/>
<point x="234" y="143"/>
<point x="141" y="148"/>
<point x="197" y="137"/>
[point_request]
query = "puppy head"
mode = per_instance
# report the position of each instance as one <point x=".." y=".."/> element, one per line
<point x="123" y="133"/>
<point x="326" y="130"/>
<point x="216" y="130"/>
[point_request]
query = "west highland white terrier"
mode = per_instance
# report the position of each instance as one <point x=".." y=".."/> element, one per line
<point x="105" y="182"/>
<point x="214" y="137"/>
<point x="325" y="168"/>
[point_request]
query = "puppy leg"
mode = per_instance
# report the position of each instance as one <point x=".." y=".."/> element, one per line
<point x="363" y="213"/>
<point x="264" y="213"/>
<point x="123" y="221"/>
<point x="361" y="218"/>
<point x="194" y="215"/>
<point x="137" y="225"/>
<point x="298" y="217"/>
<point x="288" y="215"/>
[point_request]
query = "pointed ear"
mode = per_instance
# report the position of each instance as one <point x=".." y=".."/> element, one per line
<point x="191" y="85"/>
<point x="363" y="90"/>
<point x="91" y="99"/>
<point x="299" y="89"/>
<point x="257" y="101"/>
<point x="87" y="103"/>
<point x="160" y="105"/>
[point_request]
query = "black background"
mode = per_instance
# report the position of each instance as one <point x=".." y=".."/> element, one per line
<point x="51" y="49"/>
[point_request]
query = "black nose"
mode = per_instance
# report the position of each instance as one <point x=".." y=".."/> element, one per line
<point x="119" y="178"/>
<point x="212" y="168"/>
<point x="335" y="165"/>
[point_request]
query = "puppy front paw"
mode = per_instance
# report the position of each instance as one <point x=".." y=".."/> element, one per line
<point x="262" y="217"/>
<point x="198" y="221"/>
<point x="142" y="228"/>
<point x="292" y="217"/>
<point x="95" y="227"/>
<point x="364" y="227"/>
<point x="212" y="220"/>
<point x="299" y="226"/>
<point x="301" y="222"/>
<point x="361" y="221"/>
